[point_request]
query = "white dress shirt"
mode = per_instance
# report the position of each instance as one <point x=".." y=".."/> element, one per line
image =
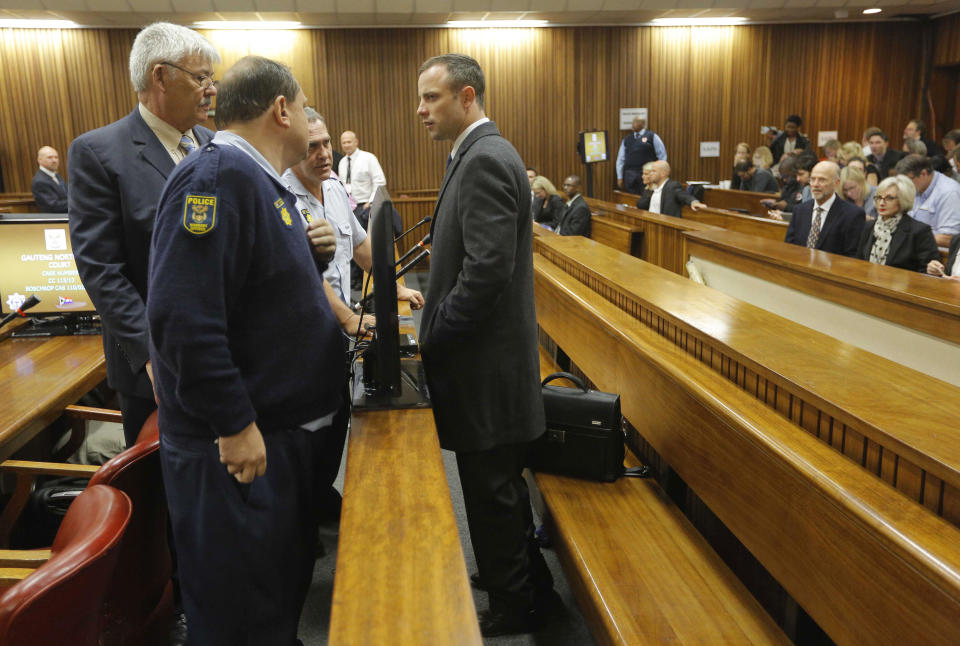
<point x="826" y="206"/>
<point x="463" y="135"/>
<point x="49" y="173"/>
<point x="365" y="175"/>
<point x="656" y="198"/>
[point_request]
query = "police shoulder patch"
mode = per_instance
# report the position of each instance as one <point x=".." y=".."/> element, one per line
<point x="199" y="214"/>
<point x="284" y="213"/>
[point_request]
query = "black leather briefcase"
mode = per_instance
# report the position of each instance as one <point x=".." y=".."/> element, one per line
<point x="584" y="437"/>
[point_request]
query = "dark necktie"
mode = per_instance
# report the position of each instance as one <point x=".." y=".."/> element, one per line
<point x="449" y="161"/>
<point x="347" y="181"/>
<point x="815" y="229"/>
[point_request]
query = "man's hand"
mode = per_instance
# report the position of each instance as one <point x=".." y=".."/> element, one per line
<point x="244" y="454"/>
<point x="775" y="215"/>
<point x="322" y="239"/>
<point x="351" y="323"/>
<point x="620" y="183"/>
<point x="412" y="295"/>
<point x="935" y="268"/>
<point x="696" y="205"/>
<point x="149" y="368"/>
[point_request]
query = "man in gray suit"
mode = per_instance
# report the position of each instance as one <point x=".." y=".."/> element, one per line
<point x="479" y="340"/>
<point x="116" y="175"/>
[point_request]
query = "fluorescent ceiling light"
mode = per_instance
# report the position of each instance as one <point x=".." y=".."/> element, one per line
<point x="874" y="10"/>
<point x="687" y="22"/>
<point x="37" y="24"/>
<point x="253" y="24"/>
<point x="498" y="24"/>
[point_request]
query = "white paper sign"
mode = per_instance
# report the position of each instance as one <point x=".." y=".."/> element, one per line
<point x="826" y="135"/>
<point x="709" y="148"/>
<point x="627" y="115"/>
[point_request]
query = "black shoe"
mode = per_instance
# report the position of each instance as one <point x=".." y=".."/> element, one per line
<point x="177" y="636"/>
<point x="321" y="550"/>
<point x="476" y="582"/>
<point x="494" y="624"/>
<point x="548" y="604"/>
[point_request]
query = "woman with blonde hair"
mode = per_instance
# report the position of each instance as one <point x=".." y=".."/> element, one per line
<point x="762" y="157"/>
<point x="743" y="152"/>
<point x="855" y="188"/>
<point x="851" y="152"/>
<point x="548" y="204"/>
<point x="895" y="239"/>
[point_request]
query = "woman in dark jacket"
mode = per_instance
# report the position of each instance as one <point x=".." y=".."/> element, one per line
<point x="548" y="204"/>
<point x="896" y="239"/>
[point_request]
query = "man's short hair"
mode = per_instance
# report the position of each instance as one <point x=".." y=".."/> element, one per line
<point x="913" y="164"/>
<point x="789" y="165"/>
<point x="313" y="115"/>
<point x="915" y="147"/>
<point x="250" y="88"/>
<point x="535" y="172"/>
<point x="165" y="42"/>
<point x="919" y="125"/>
<point x="806" y="161"/>
<point x="743" y="166"/>
<point x="874" y="132"/>
<point x="794" y="118"/>
<point x="953" y="135"/>
<point x="462" y="70"/>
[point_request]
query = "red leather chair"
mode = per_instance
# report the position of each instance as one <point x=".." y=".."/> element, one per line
<point x="60" y="602"/>
<point x="139" y="602"/>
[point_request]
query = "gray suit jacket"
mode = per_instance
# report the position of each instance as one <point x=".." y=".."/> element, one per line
<point x="479" y="334"/>
<point x="117" y="173"/>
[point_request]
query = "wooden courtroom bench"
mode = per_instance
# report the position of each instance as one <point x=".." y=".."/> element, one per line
<point x="762" y="227"/>
<point x="18" y="203"/>
<point x="627" y="238"/>
<point x="801" y="445"/>
<point x="733" y="200"/>
<point x="639" y="570"/>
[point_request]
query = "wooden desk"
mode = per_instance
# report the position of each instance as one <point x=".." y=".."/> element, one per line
<point x="19" y="204"/>
<point x="750" y="201"/>
<point x="762" y="227"/>
<point x="627" y="238"/>
<point x="39" y="378"/>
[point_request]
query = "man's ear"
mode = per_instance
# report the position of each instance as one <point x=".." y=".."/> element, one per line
<point x="469" y="95"/>
<point x="281" y="111"/>
<point x="157" y="74"/>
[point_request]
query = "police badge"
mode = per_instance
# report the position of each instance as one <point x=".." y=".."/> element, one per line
<point x="199" y="214"/>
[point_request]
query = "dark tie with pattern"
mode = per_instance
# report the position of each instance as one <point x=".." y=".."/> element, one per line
<point x="815" y="228"/>
<point x="347" y="181"/>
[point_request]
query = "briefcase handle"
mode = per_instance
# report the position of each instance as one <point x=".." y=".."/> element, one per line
<point x="577" y="381"/>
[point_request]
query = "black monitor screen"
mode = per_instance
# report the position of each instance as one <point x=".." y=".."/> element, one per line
<point x="37" y="258"/>
<point x="386" y="358"/>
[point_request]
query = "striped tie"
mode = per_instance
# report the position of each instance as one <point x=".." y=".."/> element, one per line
<point x="187" y="144"/>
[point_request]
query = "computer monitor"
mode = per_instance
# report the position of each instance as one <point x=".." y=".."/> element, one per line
<point x="593" y="146"/>
<point x="36" y="257"/>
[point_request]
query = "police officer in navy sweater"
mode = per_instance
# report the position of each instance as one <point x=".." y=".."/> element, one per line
<point x="636" y="149"/>
<point x="249" y="365"/>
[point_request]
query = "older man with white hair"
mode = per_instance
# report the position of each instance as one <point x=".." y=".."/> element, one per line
<point x="827" y="222"/>
<point x="117" y="173"/>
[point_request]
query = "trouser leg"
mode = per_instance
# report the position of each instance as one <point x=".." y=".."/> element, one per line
<point x="135" y="411"/>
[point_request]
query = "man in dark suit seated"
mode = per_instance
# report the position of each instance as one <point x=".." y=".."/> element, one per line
<point x="826" y="222"/>
<point x="951" y="270"/>
<point x="575" y="220"/>
<point x="662" y="194"/>
<point x="48" y="186"/>
<point x="758" y="180"/>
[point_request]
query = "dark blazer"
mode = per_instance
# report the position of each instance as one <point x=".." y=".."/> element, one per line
<point x="117" y="173"/>
<point x="478" y="336"/>
<point x="576" y="219"/>
<point x="911" y="247"/>
<point x="552" y="213"/>
<point x="776" y="148"/>
<point x="49" y="196"/>
<point x="952" y="255"/>
<point x="840" y="233"/>
<point x="672" y="199"/>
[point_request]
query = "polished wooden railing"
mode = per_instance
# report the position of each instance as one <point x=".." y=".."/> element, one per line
<point x="762" y="227"/>
<point x="802" y="445"/>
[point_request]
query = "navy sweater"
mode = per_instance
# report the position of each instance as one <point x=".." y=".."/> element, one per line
<point x="240" y="327"/>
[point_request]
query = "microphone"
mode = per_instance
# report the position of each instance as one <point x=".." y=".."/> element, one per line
<point x="419" y="245"/>
<point x="27" y="304"/>
<point x="423" y="254"/>
<point x="429" y="218"/>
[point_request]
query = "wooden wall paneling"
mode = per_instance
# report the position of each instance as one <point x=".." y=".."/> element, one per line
<point x="947" y="44"/>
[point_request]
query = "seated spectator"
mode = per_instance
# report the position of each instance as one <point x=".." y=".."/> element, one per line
<point x="895" y="239"/>
<point x="531" y="174"/>
<point x="755" y="179"/>
<point x="941" y="165"/>
<point x="789" y="140"/>
<point x="48" y="186"/>
<point x="952" y="269"/>
<point x="743" y="152"/>
<point x="830" y="151"/>
<point x="854" y="188"/>
<point x="664" y="195"/>
<point x="881" y="156"/>
<point x="937" y="203"/>
<point x="916" y="130"/>
<point x="954" y="160"/>
<point x="762" y="157"/>
<point x="869" y="170"/>
<point x="792" y="192"/>
<point x="548" y="204"/>
<point x="802" y="166"/>
<point x="950" y="141"/>
<point x="576" y="218"/>
<point x="826" y="222"/>
<point x="914" y="147"/>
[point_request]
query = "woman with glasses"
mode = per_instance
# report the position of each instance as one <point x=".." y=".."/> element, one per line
<point x="895" y="239"/>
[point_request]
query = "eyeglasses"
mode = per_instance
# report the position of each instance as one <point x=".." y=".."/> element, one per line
<point x="202" y="80"/>
<point x="885" y="198"/>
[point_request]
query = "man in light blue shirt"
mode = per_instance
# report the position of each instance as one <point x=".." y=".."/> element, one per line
<point x="321" y="196"/>
<point x="938" y="197"/>
<point x="636" y="149"/>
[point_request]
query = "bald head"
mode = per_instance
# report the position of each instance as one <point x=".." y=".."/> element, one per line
<point x="48" y="158"/>
<point x="349" y="142"/>
<point x="824" y="181"/>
